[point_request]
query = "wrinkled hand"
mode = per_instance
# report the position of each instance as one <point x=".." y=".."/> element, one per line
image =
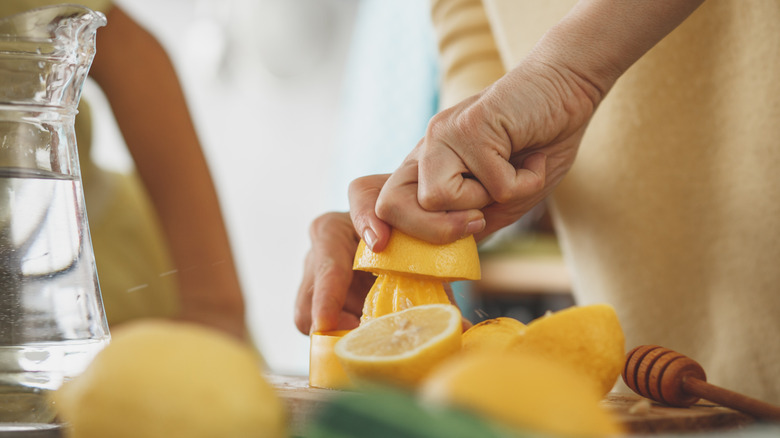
<point x="488" y="160"/>
<point x="331" y="294"/>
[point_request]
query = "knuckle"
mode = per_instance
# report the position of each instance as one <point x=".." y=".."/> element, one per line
<point x="319" y="224"/>
<point x="504" y="194"/>
<point x="471" y="122"/>
<point x="434" y="197"/>
<point x="356" y="184"/>
<point x="385" y="209"/>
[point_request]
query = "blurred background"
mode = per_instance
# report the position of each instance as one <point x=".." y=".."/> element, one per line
<point x="265" y="81"/>
<point x="293" y="99"/>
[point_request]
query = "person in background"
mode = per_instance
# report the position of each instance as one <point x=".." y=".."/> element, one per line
<point x="650" y="128"/>
<point x="160" y="242"/>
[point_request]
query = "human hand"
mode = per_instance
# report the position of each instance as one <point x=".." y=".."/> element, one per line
<point x="331" y="294"/>
<point x="486" y="161"/>
<point x="495" y="155"/>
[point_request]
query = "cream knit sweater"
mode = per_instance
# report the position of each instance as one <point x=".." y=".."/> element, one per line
<point x="671" y="212"/>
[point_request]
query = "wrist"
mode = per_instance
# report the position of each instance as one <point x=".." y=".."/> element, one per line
<point x="598" y="40"/>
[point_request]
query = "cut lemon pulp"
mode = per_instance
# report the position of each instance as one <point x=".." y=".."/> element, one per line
<point x="411" y="272"/>
<point x="391" y="293"/>
<point x="402" y="347"/>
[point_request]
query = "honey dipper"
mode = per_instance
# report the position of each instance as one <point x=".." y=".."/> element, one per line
<point x="668" y="377"/>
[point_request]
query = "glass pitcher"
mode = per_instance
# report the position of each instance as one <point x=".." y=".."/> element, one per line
<point x="52" y="320"/>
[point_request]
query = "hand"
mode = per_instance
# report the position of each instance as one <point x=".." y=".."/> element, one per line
<point x="488" y="160"/>
<point x="331" y="294"/>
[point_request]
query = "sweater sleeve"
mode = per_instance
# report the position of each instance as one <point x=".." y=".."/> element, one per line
<point x="468" y="57"/>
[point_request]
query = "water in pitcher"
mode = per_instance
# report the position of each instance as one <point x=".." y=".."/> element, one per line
<point x="48" y="296"/>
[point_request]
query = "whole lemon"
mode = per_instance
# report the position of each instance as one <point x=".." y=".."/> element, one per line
<point x="589" y="338"/>
<point x="499" y="333"/>
<point x="171" y="379"/>
<point x="530" y="393"/>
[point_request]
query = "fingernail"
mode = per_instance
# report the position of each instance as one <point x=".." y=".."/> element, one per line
<point x="475" y="226"/>
<point x="316" y="326"/>
<point x="369" y="237"/>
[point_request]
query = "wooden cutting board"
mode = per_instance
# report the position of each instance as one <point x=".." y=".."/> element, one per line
<point x="639" y="415"/>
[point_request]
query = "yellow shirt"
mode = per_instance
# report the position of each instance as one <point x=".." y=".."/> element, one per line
<point x="671" y="210"/>
<point x="136" y="275"/>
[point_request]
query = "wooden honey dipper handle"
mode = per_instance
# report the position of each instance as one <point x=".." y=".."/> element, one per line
<point x="668" y="377"/>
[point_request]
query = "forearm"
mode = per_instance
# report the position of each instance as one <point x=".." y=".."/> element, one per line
<point x="142" y="87"/>
<point x="598" y="40"/>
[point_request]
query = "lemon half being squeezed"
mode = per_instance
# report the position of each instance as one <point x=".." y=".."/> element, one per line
<point x="411" y="272"/>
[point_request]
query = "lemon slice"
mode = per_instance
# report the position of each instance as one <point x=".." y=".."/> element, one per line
<point x="402" y="347"/>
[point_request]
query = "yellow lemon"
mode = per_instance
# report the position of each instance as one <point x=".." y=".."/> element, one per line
<point x="391" y="293"/>
<point x="325" y="370"/>
<point x="411" y="272"/>
<point x="402" y="347"/>
<point x="588" y="338"/>
<point x="494" y="334"/>
<point x="526" y="392"/>
<point x="405" y="254"/>
<point x="160" y="379"/>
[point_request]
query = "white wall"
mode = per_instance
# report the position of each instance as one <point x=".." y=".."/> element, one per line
<point x="263" y="79"/>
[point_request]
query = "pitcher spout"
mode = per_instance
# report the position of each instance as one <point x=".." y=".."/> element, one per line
<point x="45" y="55"/>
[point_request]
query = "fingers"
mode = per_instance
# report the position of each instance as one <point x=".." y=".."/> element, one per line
<point x="302" y="310"/>
<point x="446" y="183"/>
<point x="476" y="178"/>
<point x="363" y="194"/>
<point x="398" y="205"/>
<point x="329" y="295"/>
<point x="330" y="291"/>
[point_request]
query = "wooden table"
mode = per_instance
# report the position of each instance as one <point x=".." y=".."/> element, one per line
<point x="638" y="418"/>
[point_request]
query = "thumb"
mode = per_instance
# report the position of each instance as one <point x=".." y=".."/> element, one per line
<point x="363" y="193"/>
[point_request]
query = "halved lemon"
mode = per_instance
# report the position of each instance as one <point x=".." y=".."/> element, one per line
<point x="401" y="348"/>
<point x="411" y="272"/>
<point x="405" y="254"/>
